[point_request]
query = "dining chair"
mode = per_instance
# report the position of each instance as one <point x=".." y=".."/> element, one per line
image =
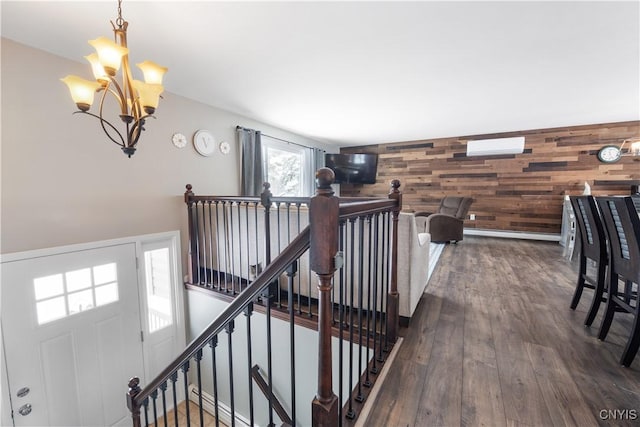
<point x="622" y="225"/>
<point x="593" y="249"/>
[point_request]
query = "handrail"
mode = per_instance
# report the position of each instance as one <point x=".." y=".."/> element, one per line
<point x="369" y="207"/>
<point x="264" y="388"/>
<point x="294" y="251"/>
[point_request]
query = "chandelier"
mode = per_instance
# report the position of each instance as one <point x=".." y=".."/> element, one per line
<point x="137" y="100"/>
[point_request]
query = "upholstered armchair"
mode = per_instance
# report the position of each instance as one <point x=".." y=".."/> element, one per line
<point x="446" y="224"/>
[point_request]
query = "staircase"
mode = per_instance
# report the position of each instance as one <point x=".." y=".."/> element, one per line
<point x="312" y="298"/>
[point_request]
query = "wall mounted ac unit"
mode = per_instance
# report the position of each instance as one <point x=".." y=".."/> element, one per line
<point x="497" y="146"/>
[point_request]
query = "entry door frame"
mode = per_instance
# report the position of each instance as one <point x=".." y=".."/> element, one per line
<point x="138" y="241"/>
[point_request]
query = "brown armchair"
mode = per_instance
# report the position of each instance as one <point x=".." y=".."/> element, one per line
<point x="446" y="224"/>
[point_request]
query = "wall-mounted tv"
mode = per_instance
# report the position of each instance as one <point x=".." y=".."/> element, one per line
<point x="353" y="168"/>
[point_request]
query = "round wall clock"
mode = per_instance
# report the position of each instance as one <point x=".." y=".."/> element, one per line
<point x="204" y="142"/>
<point x="225" y="148"/>
<point x="609" y="154"/>
<point x="179" y="140"/>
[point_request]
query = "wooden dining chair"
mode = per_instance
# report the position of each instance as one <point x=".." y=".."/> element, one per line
<point x="622" y="225"/>
<point x="593" y="248"/>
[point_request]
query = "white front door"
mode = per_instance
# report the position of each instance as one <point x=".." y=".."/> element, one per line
<point x="71" y="325"/>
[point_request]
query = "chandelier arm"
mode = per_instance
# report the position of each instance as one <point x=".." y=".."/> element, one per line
<point x="102" y="123"/>
<point x="118" y="93"/>
<point x="137" y="128"/>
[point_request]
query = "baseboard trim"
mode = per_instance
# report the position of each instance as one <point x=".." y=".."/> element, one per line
<point x="208" y="404"/>
<point x="368" y="404"/>
<point x="512" y="234"/>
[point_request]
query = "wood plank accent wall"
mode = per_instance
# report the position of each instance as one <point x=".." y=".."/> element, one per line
<point x="522" y="192"/>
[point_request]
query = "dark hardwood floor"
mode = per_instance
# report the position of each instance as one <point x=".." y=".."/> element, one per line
<point x="494" y="343"/>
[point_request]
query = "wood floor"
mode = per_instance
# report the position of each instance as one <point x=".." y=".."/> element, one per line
<point x="494" y="343"/>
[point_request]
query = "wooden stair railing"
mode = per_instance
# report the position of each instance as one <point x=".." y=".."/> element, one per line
<point x="332" y="222"/>
<point x="264" y="387"/>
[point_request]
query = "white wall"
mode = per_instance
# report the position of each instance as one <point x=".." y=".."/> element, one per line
<point x="205" y="308"/>
<point x="64" y="182"/>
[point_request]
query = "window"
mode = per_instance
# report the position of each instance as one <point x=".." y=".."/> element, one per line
<point x="157" y="270"/>
<point x="61" y="295"/>
<point x="287" y="168"/>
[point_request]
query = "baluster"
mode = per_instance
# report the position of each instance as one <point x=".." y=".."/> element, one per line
<point x="225" y="224"/>
<point x="279" y="249"/>
<point x="154" y="397"/>
<point x="291" y="273"/>
<point x="374" y="368"/>
<point x="203" y="246"/>
<point x="387" y="280"/>
<point x="384" y="283"/>
<point x="163" y="387"/>
<point x="269" y="364"/>
<point x="248" y="311"/>
<point x="246" y="214"/>
<point x="185" y="369"/>
<point x="370" y="264"/>
<point x="360" y="397"/>
<point x="393" y="302"/>
<point x="211" y="236"/>
<point x="240" y="257"/>
<point x="174" y="380"/>
<point x="257" y="234"/>
<point x="145" y="404"/>
<point x="218" y="239"/>
<point x="351" y="414"/>
<point x="198" y="359"/>
<point x="232" y="258"/>
<point x="213" y="344"/>
<point x="299" y="275"/>
<point x="323" y="215"/>
<point x="229" y="330"/>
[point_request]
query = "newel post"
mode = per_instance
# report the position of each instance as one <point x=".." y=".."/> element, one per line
<point x="134" y="407"/>
<point x="193" y="242"/>
<point x="393" y="315"/>
<point x="323" y="219"/>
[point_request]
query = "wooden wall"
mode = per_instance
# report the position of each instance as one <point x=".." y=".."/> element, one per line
<point x="522" y="192"/>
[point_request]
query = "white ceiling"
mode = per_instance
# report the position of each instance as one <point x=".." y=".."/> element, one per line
<point x="367" y="72"/>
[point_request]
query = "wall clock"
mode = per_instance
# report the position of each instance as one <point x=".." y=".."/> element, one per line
<point x="609" y="154"/>
<point x="225" y="148"/>
<point x="204" y="142"/>
<point x="179" y="140"/>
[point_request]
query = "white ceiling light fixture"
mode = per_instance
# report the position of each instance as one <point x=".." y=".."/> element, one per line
<point x="496" y="146"/>
<point x="136" y="99"/>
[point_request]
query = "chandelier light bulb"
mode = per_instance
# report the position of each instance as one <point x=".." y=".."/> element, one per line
<point x="82" y="91"/>
<point x="109" y="54"/>
<point x="98" y="70"/>
<point x="153" y="73"/>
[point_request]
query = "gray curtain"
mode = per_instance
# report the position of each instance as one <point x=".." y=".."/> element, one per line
<point x="251" y="167"/>
<point x="317" y="162"/>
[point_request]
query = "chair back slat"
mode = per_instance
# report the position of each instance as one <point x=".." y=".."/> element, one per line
<point x="622" y="225"/>
<point x="591" y="227"/>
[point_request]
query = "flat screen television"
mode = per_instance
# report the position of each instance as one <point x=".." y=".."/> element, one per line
<point x="353" y="168"/>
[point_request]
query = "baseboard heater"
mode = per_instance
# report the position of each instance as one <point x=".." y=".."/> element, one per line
<point x="208" y="404"/>
<point x="512" y="234"/>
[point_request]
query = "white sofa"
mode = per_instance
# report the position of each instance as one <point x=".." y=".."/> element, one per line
<point x="413" y="254"/>
<point x="413" y="263"/>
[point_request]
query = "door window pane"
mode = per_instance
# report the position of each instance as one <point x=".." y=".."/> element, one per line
<point x="51" y="309"/>
<point x="158" y="284"/>
<point x="79" y="279"/>
<point x="48" y="286"/>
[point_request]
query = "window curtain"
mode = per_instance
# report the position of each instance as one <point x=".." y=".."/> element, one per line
<point x="317" y="162"/>
<point x="251" y="168"/>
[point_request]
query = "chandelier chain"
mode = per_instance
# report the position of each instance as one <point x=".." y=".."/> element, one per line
<point x="120" y="21"/>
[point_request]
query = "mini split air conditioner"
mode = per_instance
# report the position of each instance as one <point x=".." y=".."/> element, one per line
<point x="493" y="147"/>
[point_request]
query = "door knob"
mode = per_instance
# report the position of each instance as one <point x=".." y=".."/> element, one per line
<point x="25" y="409"/>
<point x="23" y="392"/>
